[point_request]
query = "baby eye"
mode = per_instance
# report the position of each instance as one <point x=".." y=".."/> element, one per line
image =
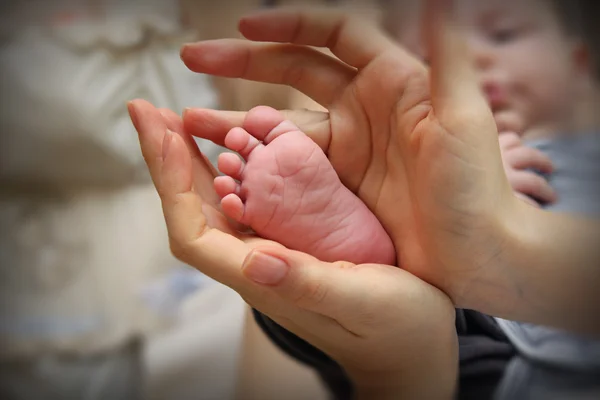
<point x="504" y="35"/>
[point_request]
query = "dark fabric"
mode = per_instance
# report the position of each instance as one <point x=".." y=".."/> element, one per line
<point x="332" y="375"/>
<point x="483" y="349"/>
<point x="484" y="353"/>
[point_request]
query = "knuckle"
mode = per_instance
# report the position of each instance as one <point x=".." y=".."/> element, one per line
<point x="183" y="248"/>
<point x="314" y="293"/>
<point x="178" y="249"/>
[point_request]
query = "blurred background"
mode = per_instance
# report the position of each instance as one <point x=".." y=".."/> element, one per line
<point x="92" y="303"/>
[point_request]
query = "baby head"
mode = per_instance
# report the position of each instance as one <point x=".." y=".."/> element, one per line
<point x="534" y="66"/>
<point x="533" y="63"/>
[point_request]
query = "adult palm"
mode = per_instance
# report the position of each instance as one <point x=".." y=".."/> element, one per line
<point x="418" y="146"/>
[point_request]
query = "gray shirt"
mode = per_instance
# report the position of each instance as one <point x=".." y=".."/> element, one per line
<point x="554" y="364"/>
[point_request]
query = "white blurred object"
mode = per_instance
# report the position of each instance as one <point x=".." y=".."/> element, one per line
<point x="81" y="227"/>
<point x="65" y="83"/>
<point x="200" y="359"/>
<point x="166" y="294"/>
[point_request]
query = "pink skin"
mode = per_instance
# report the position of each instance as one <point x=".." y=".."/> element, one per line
<point x="289" y="192"/>
<point x="528" y="65"/>
<point x="518" y="159"/>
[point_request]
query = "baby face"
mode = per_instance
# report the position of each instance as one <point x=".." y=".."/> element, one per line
<point x="526" y="62"/>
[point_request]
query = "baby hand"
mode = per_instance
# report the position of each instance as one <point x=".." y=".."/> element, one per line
<point x="519" y="164"/>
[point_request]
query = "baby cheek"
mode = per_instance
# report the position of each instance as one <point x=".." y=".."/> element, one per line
<point x="555" y="96"/>
<point x="550" y="72"/>
<point x="542" y="92"/>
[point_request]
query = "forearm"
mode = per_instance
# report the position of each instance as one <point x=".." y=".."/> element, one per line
<point x="433" y="377"/>
<point x="430" y="372"/>
<point x="547" y="272"/>
<point x="558" y="270"/>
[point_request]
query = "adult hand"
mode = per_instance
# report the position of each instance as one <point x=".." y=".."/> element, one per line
<point x="401" y="137"/>
<point x="421" y="149"/>
<point x="519" y="163"/>
<point x="390" y="331"/>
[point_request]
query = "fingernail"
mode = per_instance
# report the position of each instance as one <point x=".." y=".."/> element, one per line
<point x="264" y="269"/>
<point x="183" y="48"/>
<point x="167" y="143"/>
<point x="132" y="113"/>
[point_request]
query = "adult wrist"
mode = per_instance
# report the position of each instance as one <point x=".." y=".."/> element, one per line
<point x="489" y="283"/>
<point x="553" y="261"/>
<point x="545" y="270"/>
<point x="427" y="372"/>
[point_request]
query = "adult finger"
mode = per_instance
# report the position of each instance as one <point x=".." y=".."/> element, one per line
<point x="168" y="160"/>
<point x="217" y="253"/>
<point x="214" y="125"/>
<point x="528" y="158"/>
<point x="455" y="88"/>
<point x="199" y="234"/>
<point x="203" y="171"/>
<point x="151" y="130"/>
<point x="533" y="185"/>
<point x="319" y="76"/>
<point x="175" y="124"/>
<point x="354" y="41"/>
<point x="355" y="296"/>
<point x="329" y="289"/>
<point x="172" y="120"/>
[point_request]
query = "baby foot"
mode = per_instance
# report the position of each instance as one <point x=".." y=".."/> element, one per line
<point x="287" y="191"/>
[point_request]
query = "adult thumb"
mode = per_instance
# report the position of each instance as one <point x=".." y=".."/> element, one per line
<point x="455" y="85"/>
<point x="317" y="286"/>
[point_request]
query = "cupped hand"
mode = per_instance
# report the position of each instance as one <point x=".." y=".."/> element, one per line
<point x="388" y="329"/>
<point x="418" y="146"/>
